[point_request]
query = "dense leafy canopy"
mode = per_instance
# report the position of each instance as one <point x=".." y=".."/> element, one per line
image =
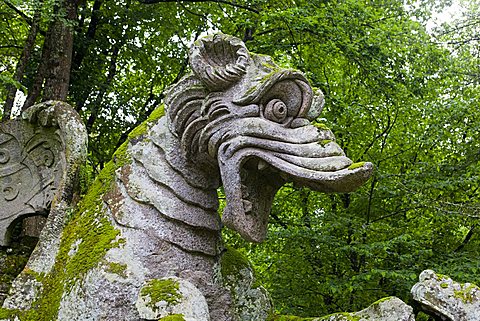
<point x="398" y="95"/>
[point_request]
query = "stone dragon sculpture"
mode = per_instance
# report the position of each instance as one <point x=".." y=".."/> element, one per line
<point x="145" y="243"/>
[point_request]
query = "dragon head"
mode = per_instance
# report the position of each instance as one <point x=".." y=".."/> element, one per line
<point x="252" y="120"/>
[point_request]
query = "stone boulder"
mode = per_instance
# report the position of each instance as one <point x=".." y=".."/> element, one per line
<point x="449" y="300"/>
<point x="387" y="309"/>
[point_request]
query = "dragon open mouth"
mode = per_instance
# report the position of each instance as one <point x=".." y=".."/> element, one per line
<point x="253" y="169"/>
<point x="252" y="118"/>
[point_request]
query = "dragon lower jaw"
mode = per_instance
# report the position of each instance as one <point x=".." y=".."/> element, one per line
<point x="252" y="177"/>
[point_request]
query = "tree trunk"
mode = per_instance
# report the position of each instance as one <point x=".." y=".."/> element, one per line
<point x="54" y="69"/>
<point x="57" y="77"/>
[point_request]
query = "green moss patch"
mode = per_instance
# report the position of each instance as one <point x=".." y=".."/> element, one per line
<point x="288" y="318"/>
<point x="143" y="128"/>
<point x="321" y="126"/>
<point x="232" y="262"/>
<point x="466" y="294"/>
<point x="356" y="165"/>
<point x="325" y="142"/>
<point x="117" y="268"/>
<point x="173" y="317"/>
<point x="161" y="290"/>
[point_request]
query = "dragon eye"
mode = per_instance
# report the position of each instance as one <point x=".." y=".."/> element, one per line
<point x="276" y="110"/>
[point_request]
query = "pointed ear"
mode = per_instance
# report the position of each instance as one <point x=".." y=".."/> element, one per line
<point x="219" y="60"/>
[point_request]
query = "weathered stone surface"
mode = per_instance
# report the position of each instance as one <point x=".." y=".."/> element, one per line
<point x="254" y="118"/>
<point x="239" y="121"/>
<point x="386" y="309"/>
<point x="447" y="299"/>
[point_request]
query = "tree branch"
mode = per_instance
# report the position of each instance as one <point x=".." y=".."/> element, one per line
<point x="236" y="5"/>
<point x="10" y="46"/>
<point x="466" y="239"/>
<point x="27" y="19"/>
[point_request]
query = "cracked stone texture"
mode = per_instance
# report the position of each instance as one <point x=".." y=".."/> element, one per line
<point x="447" y="299"/>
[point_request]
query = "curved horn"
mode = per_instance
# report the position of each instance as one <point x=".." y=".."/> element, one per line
<point x="219" y="60"/>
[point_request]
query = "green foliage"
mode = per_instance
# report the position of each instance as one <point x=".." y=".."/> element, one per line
<point x="398" y="99"/>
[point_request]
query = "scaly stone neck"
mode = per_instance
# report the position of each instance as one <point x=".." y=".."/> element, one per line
<point x="170" y="216"/>
<point x="178" y="203"/>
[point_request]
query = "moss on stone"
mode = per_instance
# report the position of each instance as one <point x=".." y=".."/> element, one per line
<point x="356" y="165"/>
<point x="117" y="268"/>
<point x="173" y="317"/>
<point x="440" y="276"/>
<point x="85" y="241"/>
<point x="232" y="262"/>
<point x="325" y="142"/>
<point x="288" y="318"/>
<point x="143" y="127"/>
<point x="161" y="290"/>
<point x="466" y="293"/>
<point x="7" y="314"/>
<point x="382" y="300"/>
<point x="340" y="316"/>
<point x="321" y="126"/>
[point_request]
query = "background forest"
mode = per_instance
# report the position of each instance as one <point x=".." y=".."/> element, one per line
<point x="398" y="94"/>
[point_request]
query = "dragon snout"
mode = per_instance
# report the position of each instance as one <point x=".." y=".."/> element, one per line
<point x="263" y="156"/>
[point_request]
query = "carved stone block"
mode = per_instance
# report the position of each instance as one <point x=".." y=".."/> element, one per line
<point x="30" y="171"/>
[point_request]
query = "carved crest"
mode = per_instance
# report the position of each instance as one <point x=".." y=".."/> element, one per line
<point x="33" y="162"/>
<point x="29" y="171"/>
